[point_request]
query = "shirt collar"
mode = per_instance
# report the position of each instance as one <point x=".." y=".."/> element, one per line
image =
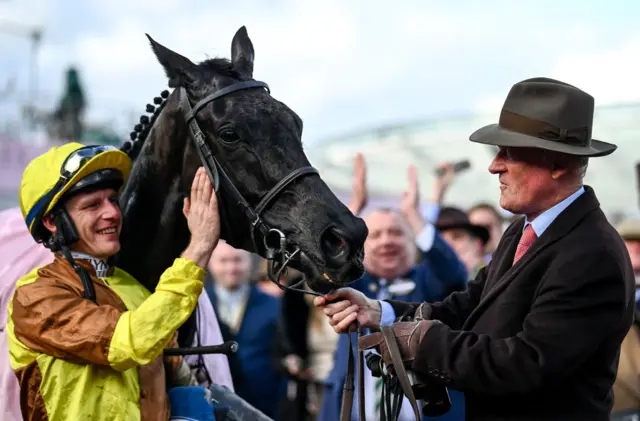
<point x="231" y="296"/>
<point x="101" y="266"/>
<point x="542" y="222"/>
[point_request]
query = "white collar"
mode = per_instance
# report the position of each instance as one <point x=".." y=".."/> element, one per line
<point x="231" y="296"/>
<point x="101" y="266"/>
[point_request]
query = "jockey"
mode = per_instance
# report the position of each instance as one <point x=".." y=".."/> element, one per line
<point x="85" y="338"/>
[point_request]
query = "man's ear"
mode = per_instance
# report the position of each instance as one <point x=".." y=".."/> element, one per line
<point x="48" y="223"/>
<point x="558" y="172"/>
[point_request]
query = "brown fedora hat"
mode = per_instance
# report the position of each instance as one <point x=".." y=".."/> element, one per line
<point x="546" y="114"/>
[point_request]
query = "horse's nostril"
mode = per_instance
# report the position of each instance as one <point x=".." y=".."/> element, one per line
<point x="334" y="247"/>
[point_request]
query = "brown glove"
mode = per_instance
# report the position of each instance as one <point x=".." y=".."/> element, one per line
<point x="408" y="336"/>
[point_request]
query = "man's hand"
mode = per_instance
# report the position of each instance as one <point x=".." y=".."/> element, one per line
<point x="294" y="366"/>
<point x="346" y="305"/>
<point x="203" y="219"/>
<point x="441" y="184"/>
<point x="359" y="194"/>
<point x="410" y="201"/>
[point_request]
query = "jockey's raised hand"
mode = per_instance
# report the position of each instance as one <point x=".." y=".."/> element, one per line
<point x="359" y="193"/>
<point x="203" y="219"/>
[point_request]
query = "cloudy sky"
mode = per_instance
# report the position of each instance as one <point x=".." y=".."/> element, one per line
<point x="342" y="65"/>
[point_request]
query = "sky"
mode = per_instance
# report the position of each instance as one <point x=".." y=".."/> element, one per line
<point x="342" y="66"/>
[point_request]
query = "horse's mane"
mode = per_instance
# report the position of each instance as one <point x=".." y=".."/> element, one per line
<point x="141" y="130"/>
<point x="221" y="66"/>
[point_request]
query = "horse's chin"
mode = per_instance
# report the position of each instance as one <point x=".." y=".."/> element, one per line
<point x="322" y="281"/>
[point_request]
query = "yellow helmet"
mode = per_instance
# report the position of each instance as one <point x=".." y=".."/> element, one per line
<point x="63" y="169"/>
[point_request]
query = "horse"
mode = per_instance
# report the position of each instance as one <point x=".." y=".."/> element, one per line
<point x="271" y="201"/>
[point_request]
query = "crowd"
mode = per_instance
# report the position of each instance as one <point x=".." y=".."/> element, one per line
<point x="293" y="349"/>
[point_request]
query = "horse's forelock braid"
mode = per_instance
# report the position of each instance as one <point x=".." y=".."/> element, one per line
<point x="141" y="130"/>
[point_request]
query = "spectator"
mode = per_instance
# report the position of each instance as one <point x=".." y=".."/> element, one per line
<point x="487" y="216"/>
<point x="305" y="348"/>
<point x="467" y="239"/>
<point x="248" y="316"/>
<point x="391" y="273"/>
<point x="626" y="389"/>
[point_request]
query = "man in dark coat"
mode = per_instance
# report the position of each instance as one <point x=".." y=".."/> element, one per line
<point x="537" y="334"/>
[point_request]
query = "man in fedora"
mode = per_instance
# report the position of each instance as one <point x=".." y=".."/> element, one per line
<point x="536" y="335"/>
<point x="467" y="239"/>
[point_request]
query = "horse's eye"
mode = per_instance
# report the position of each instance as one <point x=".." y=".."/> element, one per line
<point x="229" y="136"/>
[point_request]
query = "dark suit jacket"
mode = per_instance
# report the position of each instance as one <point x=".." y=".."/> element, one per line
<point x="540" y="339"/>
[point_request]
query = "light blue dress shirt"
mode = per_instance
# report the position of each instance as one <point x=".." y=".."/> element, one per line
<point x="540" y="224"/>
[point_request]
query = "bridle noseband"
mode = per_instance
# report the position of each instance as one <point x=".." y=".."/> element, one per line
<point x="274" y="241"/>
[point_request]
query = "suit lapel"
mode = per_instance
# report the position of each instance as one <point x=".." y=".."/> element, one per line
<point x="502" y="260"/>
<point x="559" y="228"/>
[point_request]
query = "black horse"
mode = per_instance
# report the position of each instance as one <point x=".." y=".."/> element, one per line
<point x="256" y="142"/>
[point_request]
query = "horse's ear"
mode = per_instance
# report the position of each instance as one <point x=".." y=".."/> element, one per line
<point x="242" y="53"/>
<point x="180" y="70"/>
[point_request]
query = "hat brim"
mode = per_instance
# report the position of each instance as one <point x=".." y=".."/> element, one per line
<point x="115" y="159"/>
<point x="477" y="231"/>
<point x="493" y="134"/>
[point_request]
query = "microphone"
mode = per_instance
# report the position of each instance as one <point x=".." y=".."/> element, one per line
<point x="226" y="348"/>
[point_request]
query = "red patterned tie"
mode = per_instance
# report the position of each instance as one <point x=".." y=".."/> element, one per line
<point x="528" y="237"/>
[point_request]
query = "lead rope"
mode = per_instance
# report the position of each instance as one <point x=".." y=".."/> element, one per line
<point x="392" y="386"/>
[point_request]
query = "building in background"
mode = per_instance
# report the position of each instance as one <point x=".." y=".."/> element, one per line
<point x="389" y="150"/>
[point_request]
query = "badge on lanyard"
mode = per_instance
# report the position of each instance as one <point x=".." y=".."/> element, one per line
<point x="373" y="287"/>
<point x="402" y="287"/>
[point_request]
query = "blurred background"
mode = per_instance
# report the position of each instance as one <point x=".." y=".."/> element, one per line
<point x="402" y="82"/>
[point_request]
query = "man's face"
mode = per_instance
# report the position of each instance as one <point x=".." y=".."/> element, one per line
<point x="229" y="266"/>
<point x="526" y="180"/>
<point x="633" y="247"/>
<point x="386" y="247"/>
<point x="98" y="220"/>
<point x="486" y="218"/>
<point x="468" y="248"/>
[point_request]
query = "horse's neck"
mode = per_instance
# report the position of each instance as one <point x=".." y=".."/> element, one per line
<point x="154" y="231"/>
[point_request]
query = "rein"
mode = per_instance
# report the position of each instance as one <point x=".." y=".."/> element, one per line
<point x="279" y="255"/>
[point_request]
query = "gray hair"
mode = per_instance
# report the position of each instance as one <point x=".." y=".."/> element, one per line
<point x="575" y="163"/>
<point x="583" y="163"/>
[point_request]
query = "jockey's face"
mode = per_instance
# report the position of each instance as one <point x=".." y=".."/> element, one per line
<point x="98" y="220"/>
<point x="387" y="246"/>
<point x="229" y="266"/>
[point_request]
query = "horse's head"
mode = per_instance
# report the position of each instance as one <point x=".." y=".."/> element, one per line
<point x="256" y="144"/>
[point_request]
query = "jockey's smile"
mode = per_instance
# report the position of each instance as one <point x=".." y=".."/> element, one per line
<point x="98" y="220"/>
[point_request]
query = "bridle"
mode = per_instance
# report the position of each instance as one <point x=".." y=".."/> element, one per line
<point x="275" y="242"/>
